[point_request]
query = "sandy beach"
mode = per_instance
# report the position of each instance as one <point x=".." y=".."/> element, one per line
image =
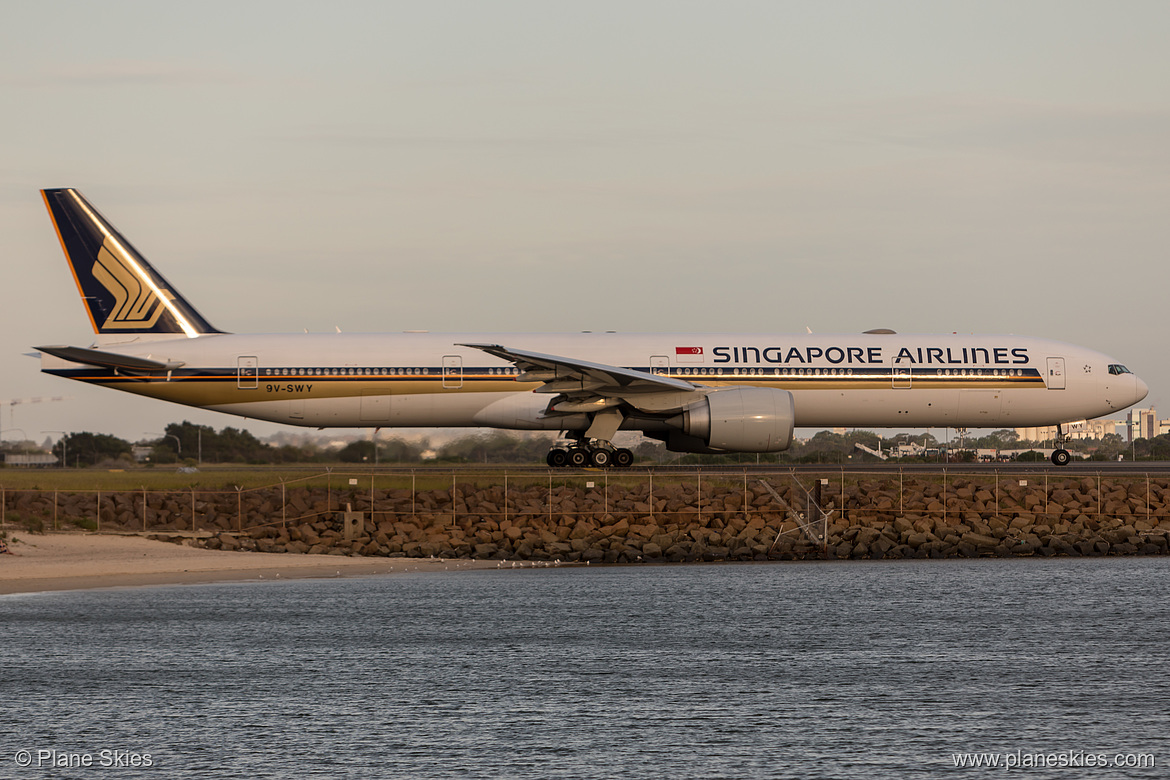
<point x="44" y="562"/>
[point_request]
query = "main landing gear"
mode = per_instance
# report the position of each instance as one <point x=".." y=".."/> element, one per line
<point x="599" y="454"/>
<point x="1060" y="456"/>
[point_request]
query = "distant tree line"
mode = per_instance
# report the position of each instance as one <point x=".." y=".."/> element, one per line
<point x="188" y="443"/>
<point x="90" y="449"/>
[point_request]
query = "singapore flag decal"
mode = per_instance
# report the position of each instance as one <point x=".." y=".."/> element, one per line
<point x="688" y="354"/>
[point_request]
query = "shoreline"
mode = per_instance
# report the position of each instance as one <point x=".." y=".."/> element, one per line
<point x="83" y="561"/>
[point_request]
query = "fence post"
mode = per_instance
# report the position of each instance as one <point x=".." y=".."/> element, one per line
<point x="192" y="509"/>
<point x="651" y="495"/>
<point x="284" y="503"/>
<point x="746" y="503"/>
<point x="144" y="507"/>
<point x="99" y="512"/>
<point x="944" y="496"/>
<point x="699" y="494"/>
<point x="55" y="512"/>
<point x="239" y="508"/>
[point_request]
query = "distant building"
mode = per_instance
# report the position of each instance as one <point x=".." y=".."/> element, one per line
<point x="1082" y="429"/>
<point x="29" y="459"/>
<point x="1142" y="424"/>
<point x="1138" y="423"/>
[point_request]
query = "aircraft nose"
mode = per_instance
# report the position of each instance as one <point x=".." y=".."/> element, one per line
<point x="1140" y="389"/>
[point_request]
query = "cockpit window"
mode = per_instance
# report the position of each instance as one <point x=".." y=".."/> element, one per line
<point x="1117" y="368"/>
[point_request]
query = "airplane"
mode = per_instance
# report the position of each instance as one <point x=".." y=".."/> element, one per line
<point x="697" y="392"/>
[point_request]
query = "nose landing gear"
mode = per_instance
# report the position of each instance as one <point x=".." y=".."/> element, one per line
<point x="1060" y="456"/>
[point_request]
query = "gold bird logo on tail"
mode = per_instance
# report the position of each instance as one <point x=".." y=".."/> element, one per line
<point x="136" y="304"/>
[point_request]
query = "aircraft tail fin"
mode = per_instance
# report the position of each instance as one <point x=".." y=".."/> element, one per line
<point x="123" y="294"/>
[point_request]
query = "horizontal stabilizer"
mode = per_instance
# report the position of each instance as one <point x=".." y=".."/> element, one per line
<point x="95" y="357"/>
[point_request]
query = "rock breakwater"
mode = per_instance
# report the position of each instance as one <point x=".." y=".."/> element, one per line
<point x="657" y="520"/>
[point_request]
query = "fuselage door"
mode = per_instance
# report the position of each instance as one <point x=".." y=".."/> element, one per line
<point x="1055" y="378"/>
<point x="659" y="364"/>
<point x="902" y="375"/>
<point x="247" y="372"/>
<point x="452" y="371"/>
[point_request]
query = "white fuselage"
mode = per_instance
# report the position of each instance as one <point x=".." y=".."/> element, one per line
<point x="426" y="379"/>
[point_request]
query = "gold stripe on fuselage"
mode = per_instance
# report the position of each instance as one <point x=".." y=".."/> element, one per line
<point x="219" y="390"/>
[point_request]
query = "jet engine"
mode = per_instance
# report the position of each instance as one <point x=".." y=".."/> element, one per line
<point x="735" y="419"/>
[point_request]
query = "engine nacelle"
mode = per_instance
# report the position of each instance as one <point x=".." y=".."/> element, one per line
<point x="736" y="419"/>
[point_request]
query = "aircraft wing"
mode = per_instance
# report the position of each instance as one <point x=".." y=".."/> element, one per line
<point x="586" y="386"/>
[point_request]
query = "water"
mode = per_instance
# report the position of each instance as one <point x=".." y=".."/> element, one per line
<point x="846" y="669"/>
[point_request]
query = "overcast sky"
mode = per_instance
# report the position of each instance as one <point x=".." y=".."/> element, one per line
<point x="990" y="167"/>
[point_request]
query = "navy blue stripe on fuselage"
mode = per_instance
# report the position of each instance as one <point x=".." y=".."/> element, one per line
<point x="935" y="376"/>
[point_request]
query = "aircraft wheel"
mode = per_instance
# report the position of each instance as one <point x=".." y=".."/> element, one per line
<point x="558" y="459"/>
<point x="578" y="457"/>
<point x="601" y="458"/>
<point x="1061" y="457"/>
<point x="623" y="458"/>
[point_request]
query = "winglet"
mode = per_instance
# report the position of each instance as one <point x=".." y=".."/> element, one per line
<point x="122" y="292"/>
